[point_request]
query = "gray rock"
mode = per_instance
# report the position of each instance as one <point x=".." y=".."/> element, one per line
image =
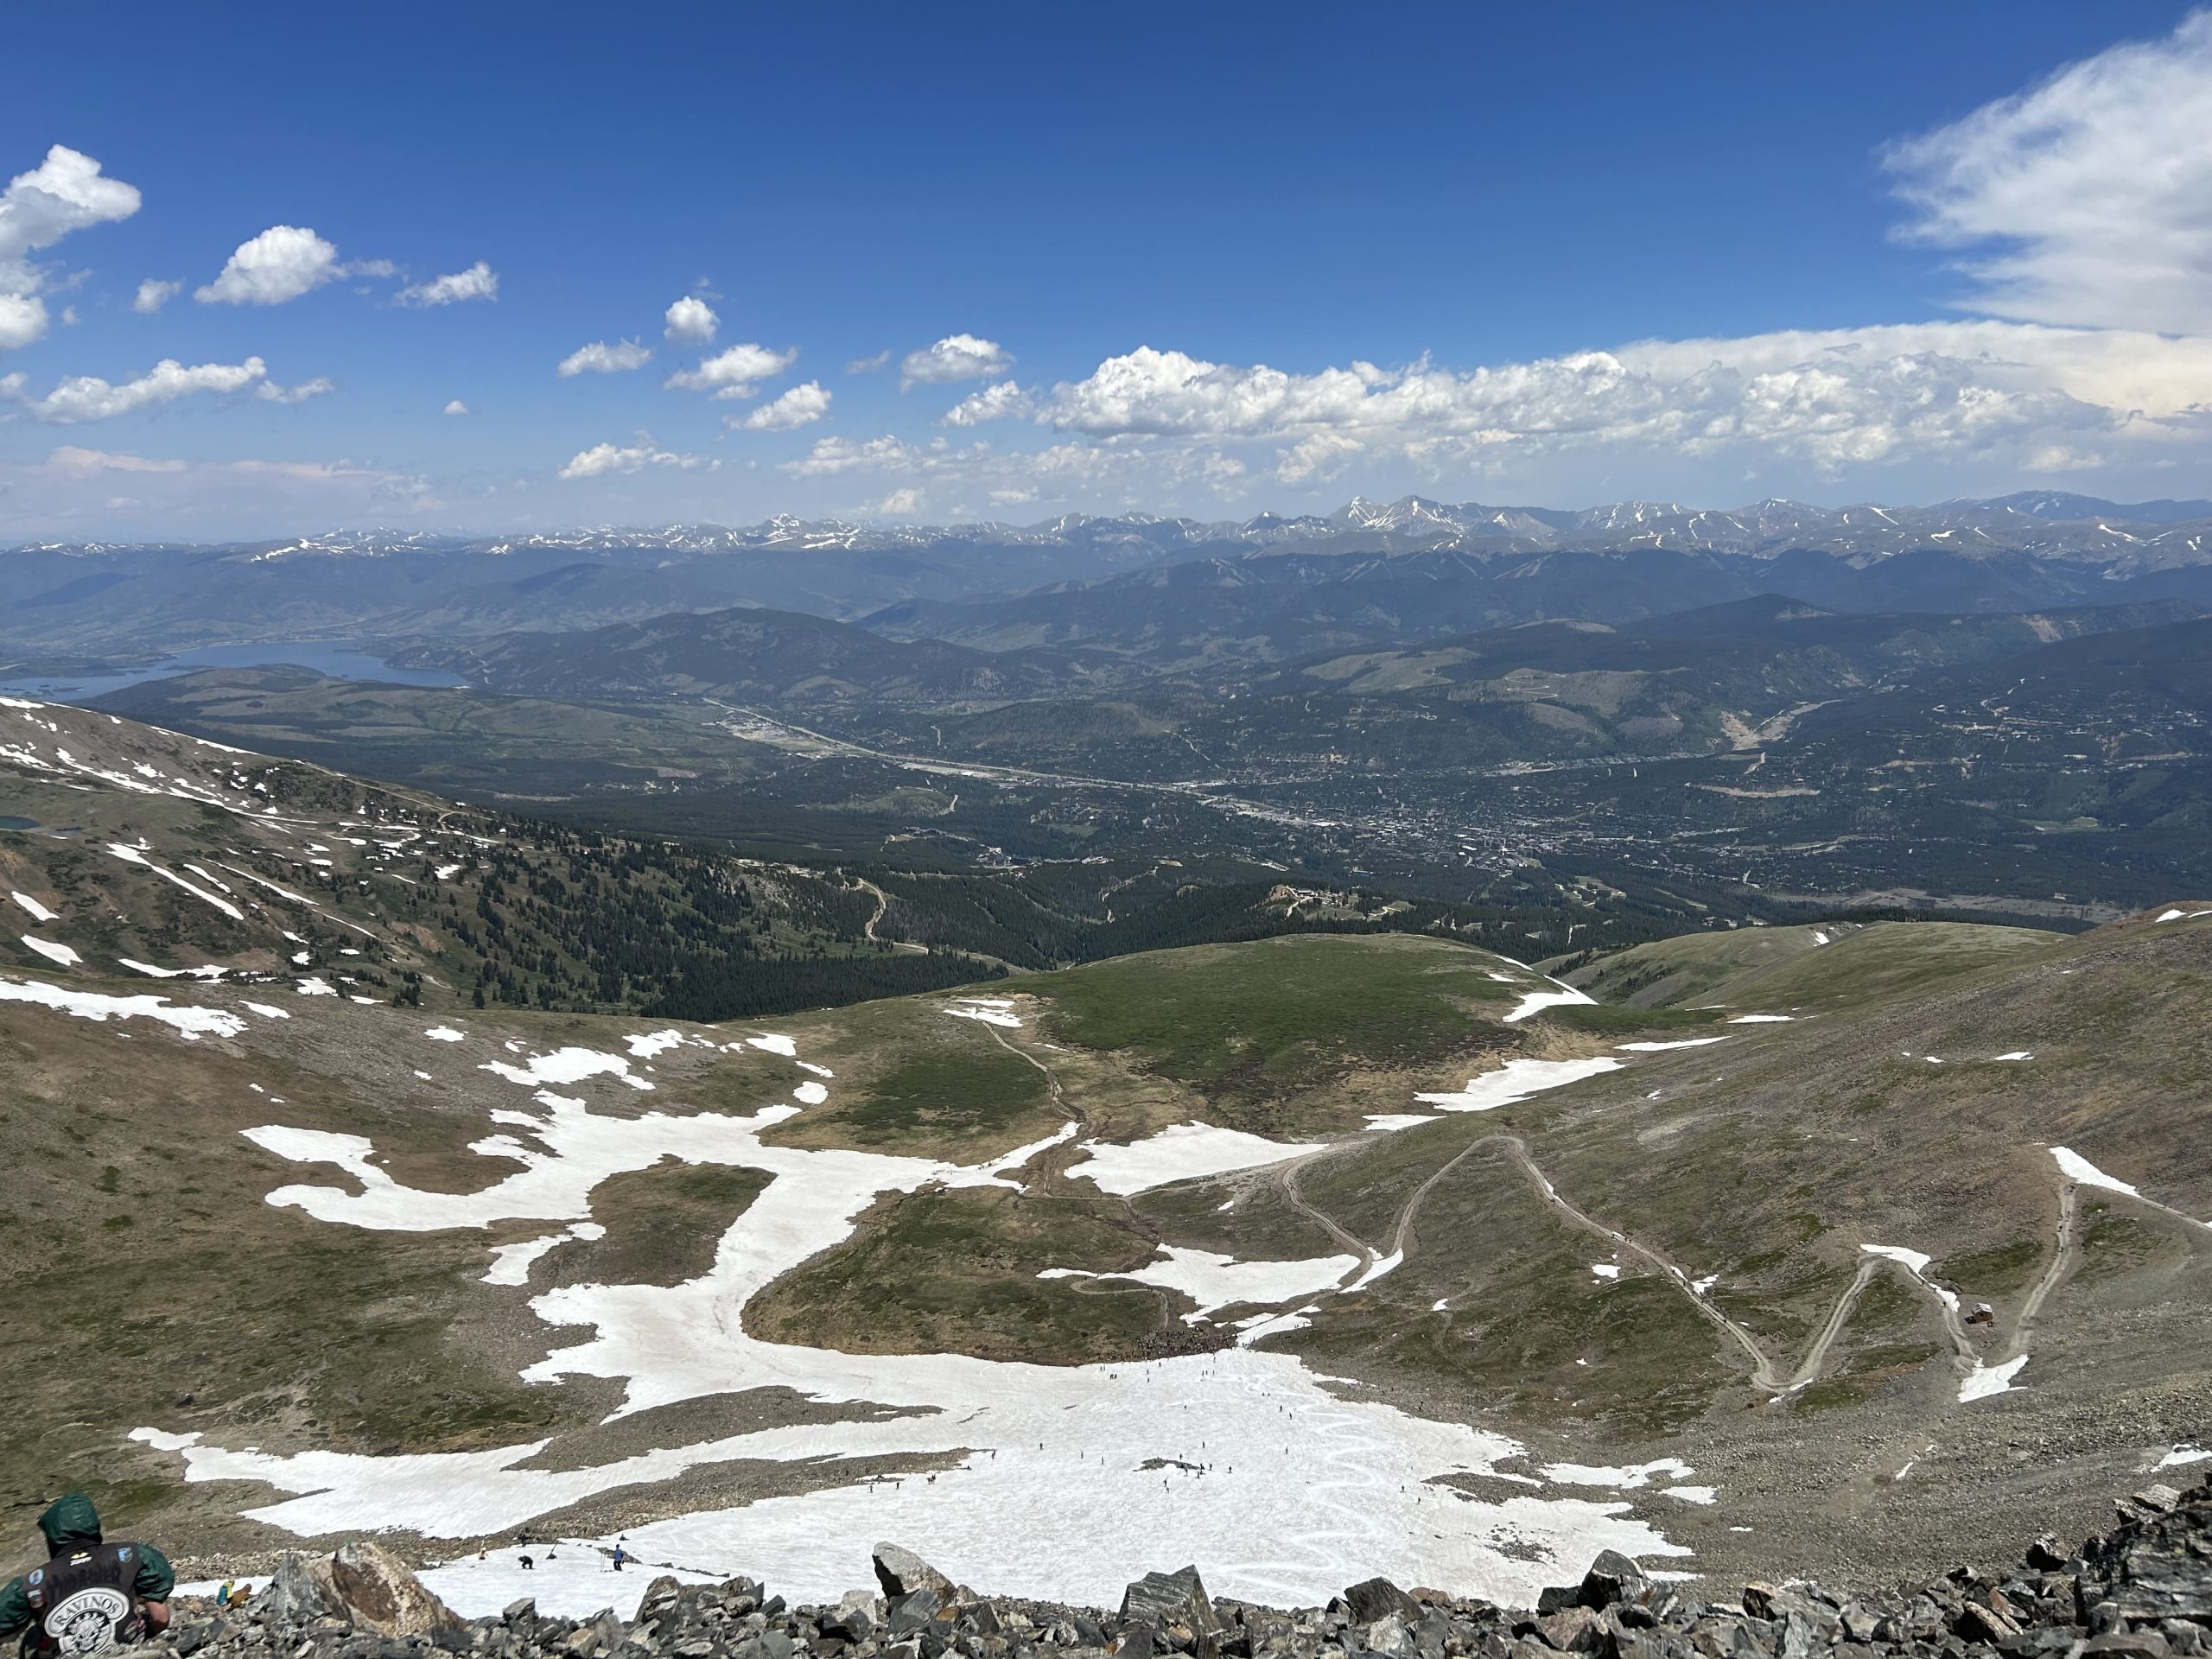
<point x="911" y="1611"/>
<point x="381" y="1592"/>
<point x="300" y="1590"/>
<point x="1612" y="1577"/>
<point x="900" y="1570"/>
<point x="1170" y="1601"/>
<point x="1386" y="1635"/>
<point x="1374" y="1599"/>
<point x="1571" y="1629"/>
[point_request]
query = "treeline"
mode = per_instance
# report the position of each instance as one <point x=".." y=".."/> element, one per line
<point x="709" y="991"/>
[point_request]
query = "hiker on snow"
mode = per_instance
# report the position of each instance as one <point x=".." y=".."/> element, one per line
<point x="90" y="1596"/>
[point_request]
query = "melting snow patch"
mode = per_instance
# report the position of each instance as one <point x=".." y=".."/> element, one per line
<point x="1605" y="1269"/>
<point x="511" y="1263"/>
<point x="1818" y="937"/>
<point x="2076" y="1167"/>
<point x="1517" y="1080"/>
<point x="2173" y="915"/>
<point x="1629" y="1478"/>
<point x="315" y="987"/>
<point x="265" y="1011"/>
<point x="52" y="952"/>
<point x="810" y="1093"/>
<point x="2016" y="1054"/>
<point x="1259" y="1328"/>
<point x="1913" y="1259"/>
<point x="1761" y="1020"/>
<point x="1986" y="1380"/>
<point x="187" y="1022"/>
<point x="1654" y="1048"/>
<point x="991" y="1010"/>
<point x="1377" y="1269"/>
<point x="651" y="1043"/>
<point x="38" y="913"/>
<point x="444" y="1034"/>
<point x="1389" y="1122"/>
<point x="783" y="1045"/>
<point x="2182" y="1456"/>
<point x="130" y="855"/>
<point x="1181" y="1153"/>
<point x="1691" y="1494"/>
<point x="1218" y="1282"/>
<point x="566" y="1065"/>
<point x="998" y="1168"/>
<point x="819" y="1070"/>
<point x="1537" y="1002"/>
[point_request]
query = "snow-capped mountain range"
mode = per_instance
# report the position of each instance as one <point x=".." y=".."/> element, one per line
<point x="2029" y="521"/>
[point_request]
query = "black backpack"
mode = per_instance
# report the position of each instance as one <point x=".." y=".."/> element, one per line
<point x="81" y="1602"/>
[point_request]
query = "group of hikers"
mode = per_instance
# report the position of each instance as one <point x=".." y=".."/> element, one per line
<point x="529" y="1562"/>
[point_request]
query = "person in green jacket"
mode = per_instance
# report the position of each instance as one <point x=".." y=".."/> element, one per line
<point x="91" y="1595"/>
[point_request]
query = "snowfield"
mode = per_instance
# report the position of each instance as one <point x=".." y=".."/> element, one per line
<point x="1183" y="1152"/>
<point x="1186" y="1459"/>
<point x="188" y="1022"/>
<point x="1517" y="1080"/>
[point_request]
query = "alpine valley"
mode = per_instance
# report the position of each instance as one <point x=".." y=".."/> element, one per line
<point x="1528" y="1033"/>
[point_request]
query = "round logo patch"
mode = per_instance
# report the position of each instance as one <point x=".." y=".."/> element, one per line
<point x="86" y="1623"/>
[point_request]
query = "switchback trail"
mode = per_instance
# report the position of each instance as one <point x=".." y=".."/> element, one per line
<point x="2063" y="1259"/>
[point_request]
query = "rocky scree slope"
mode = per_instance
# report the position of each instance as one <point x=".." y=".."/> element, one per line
<point x="2143" y="1591"/>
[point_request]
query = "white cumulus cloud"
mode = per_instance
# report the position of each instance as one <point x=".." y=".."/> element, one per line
<point x="600" y="357"/>
<point x="66" y="192"/>
<point x="1831" y="399"/>
<point x="479" y="281"/>
<point x="89" y="398"/>
<point x="802" y="405"/>
<point x="283" y="263"/>
<point x="1005" y="401"/>
<point x="691" y="321"/>
<point x="901" y="503"/>
<point x="869" y="365"/>
<point x="2086" y="199"/>
<point x="22" y="320"/>
<point x="456" y="407"/>
<point x="603" y="459"/>
<point x="734" y="372"/>
<point x="153" y="294"/>
<point x="956" y="357"/>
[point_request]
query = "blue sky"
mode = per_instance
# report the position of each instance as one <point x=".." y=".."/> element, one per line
<point x="1372" y="250"/>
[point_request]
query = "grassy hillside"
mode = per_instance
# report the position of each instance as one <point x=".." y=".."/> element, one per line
<point x="1780" y="969"/>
